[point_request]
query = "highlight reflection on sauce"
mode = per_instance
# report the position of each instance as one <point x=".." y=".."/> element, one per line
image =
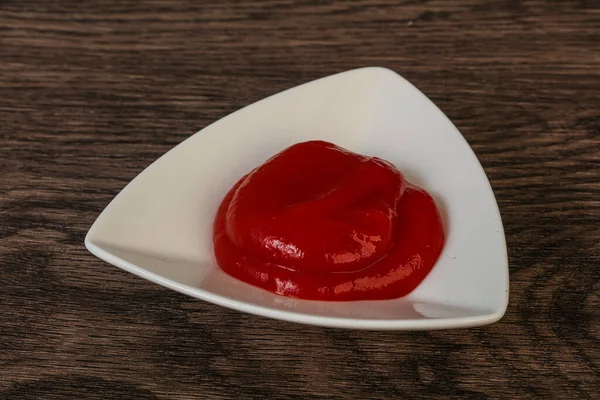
<point x="319" y="222"/>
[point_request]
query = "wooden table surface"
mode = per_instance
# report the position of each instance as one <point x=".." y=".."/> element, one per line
<point x="92" y="92"/>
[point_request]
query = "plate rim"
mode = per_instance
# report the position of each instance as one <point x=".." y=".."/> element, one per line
<point x="292" y="316"/>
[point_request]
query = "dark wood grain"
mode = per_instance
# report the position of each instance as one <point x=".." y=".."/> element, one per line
<point x="91" y="92"/>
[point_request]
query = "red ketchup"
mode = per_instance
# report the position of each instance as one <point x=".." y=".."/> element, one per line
<point x="319" y="222"/>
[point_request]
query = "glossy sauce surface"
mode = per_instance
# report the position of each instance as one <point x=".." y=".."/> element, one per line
<point x="319" y="222"/>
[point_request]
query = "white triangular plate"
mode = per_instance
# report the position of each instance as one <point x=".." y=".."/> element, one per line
<point x="160" y="226"/>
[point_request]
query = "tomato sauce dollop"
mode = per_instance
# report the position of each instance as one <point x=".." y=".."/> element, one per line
<point x="319" y="222"/>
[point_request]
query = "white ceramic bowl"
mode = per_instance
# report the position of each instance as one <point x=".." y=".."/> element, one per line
<point x="160" y="226"/>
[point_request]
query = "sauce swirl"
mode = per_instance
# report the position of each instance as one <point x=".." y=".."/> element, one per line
<point x="319" y="222"/>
